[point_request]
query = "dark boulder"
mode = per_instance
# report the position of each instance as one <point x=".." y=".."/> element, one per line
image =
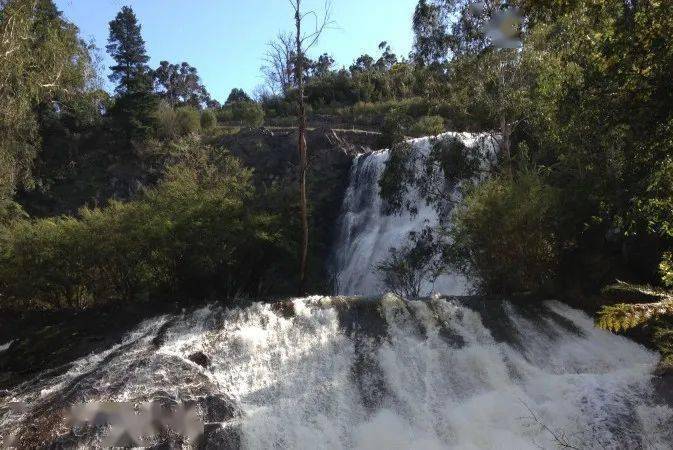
<point x="200" y="358"/>
<point x="217" y="408"/>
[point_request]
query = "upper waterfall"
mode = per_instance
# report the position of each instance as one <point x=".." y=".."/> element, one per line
<point x="367" y="233"/>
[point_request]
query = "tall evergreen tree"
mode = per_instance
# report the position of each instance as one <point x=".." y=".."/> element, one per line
<point x="237" y="96"/>
<point x="127" y="47"/>
<point x="136" y="102"/>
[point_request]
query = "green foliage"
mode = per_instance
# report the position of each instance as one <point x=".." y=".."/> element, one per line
<point x="42" y="59"/>
<point x="428" y="126"/>
<point x="167" y="127"/>
<point x="373" y="113"/>
<point x="133" y="116"/>
<point x="666" y="269"/>
<point x="655" y="316"/>
<point x="663" y="339"/>
<point x="503" y="234"/>
<point x="245" y="112"/>
<point x="188" y="120"/>
<point x="193" y="236"/>
<point x="624" y="316"/>
<point x="136" y="103"/>
<point x="127" y="48"/>
<point x="395" y="128"/>
<point x="431" y="43"/>
<point x="455" y="161"/>
<point x="225" y="115"/>
<point x="208" y="119"/>
<point x="180" y="85"/>
<point x="10" y="212"/>
<point x="238" y="96"/>
<point x="398" y="177"/>
<point x="410" y="267"/>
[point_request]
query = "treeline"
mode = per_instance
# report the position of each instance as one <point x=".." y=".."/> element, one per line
<point x="371" y="92"/>
<point x="123" y="197"/>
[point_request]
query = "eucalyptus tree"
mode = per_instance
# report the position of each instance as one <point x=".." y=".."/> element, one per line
<point x="42" y="61"/>
<point x="180" y="84"/>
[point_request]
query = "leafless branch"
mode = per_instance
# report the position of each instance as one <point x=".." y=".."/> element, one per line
<point x="559" y="438"/>
<point x="321" y="24"/>
<point x="278" y="66"/>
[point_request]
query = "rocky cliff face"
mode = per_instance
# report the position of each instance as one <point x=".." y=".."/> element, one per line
<point x="272" y="153"/>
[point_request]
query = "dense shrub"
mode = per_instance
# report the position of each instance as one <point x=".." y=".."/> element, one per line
<point x="250" y="113"/>
<point x="224" y="114"/>
<point x="208" y="119"/>
<point x="193" y="236"/>
<point x="395" y="128"/>
<point x="503" y="235"/>
<point x="666" y="268"/>
<point x="368" y="113"/>
<point x="166" y="122"/>
<point x="246" y="113"/>
<point x="188" y="120"/>
<point x="428" y="126"/>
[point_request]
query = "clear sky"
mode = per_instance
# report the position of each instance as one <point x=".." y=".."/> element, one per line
<point x="226" y="39"/>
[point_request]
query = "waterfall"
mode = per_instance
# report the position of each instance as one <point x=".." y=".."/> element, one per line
<point x="340" y="373"/>
<point x="353" y="373"/>
<point x="367" y="233"/>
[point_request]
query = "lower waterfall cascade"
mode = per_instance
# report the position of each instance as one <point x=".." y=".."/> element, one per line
<point x="344" y="372"/>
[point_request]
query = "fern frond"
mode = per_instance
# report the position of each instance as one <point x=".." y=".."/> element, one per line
<point x="624" y="317"/>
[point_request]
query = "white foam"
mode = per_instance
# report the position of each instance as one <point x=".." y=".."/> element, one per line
<point x="301" y="381"/>
<point x="5" y="347"/>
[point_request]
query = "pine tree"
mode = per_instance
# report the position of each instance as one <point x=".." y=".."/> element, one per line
<point x="127" y="47"/>
<point x="136" y="102"/>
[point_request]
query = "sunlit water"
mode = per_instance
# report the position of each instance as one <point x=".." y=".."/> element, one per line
<point x="332" y="373"/>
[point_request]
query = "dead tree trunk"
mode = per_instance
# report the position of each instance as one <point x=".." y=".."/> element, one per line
<point x="303" y="152"/>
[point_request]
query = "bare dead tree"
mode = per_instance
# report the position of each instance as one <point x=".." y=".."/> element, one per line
<point x="277" y="66"/>
<point x="304" y="41"/>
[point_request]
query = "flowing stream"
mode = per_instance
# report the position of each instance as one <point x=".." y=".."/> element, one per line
<point x="353" y="373"/>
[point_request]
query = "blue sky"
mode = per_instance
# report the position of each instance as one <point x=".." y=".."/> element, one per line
<point x="226" y="39"/>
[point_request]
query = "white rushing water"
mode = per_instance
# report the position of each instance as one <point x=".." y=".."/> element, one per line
<point x="333" y="373"/>
<point x="6" y="346"/>
<point x="367" y="233"/>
